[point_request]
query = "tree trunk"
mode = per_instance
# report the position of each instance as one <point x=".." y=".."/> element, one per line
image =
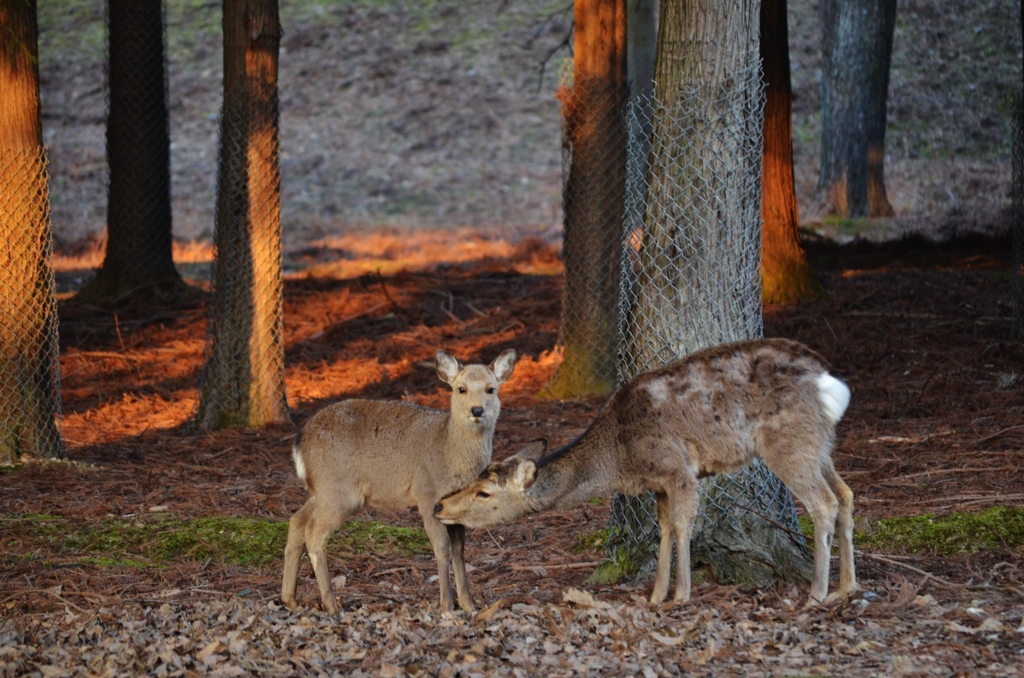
<point x="1017" y="197"/>
<point x="785" y="274"/>
<point x="243" y="378"/>
<point x="138" y="153"/>
<point x="856" y="50"/>
<point x="698" y="271"/>
<point x="29" y="354"/>
<point x="593" y="199"/>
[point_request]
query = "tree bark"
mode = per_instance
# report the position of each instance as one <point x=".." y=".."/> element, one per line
<point x="243" y="378"/>
<point x="29" y="355"/>
<point x="138" y="255"/>
<point x="698" y="271"/>
<point x="857" y="40"/>
<point x="593" y="200"/>
<point x="785" y="274"/>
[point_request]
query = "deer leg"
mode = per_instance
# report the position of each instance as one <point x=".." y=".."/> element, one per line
<point x="661" y="579"/>
<point x="438" y="534"/>
<point x="844" y="528"/>
<point x="813" y="492"/>
<point x="321" y="525"/>
<point x="457" y="537"/>
<point x="293" y="552"/>
<point x="684" y="504"/>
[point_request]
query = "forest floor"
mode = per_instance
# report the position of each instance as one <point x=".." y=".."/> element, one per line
<point x="114" y="561"/>
<point x="156" y="549"/>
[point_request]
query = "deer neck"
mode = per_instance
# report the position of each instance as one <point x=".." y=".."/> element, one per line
<point x="467" y="446"/>
<point x="584" y="469"/>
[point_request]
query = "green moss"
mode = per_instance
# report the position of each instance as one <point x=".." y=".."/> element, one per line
<point x="592" y="540"/>
<point x="956" y="533"/>
<point x="249" y="542"/>
<point x="625" y="564"/>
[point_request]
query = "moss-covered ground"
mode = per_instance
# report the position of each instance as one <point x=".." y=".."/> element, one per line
<point x="248" y="542"/>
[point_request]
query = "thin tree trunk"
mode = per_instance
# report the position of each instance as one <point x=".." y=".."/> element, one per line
<point x="857" y="40"/>
<point x="138" y="255"/>
<point x="786" y="275"/>
<point x="29" y="355"/>
<point x="243" y="379"/>
<point x="593" y="199"/>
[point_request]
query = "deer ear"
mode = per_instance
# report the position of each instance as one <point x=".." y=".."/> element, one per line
<point x="533" y="450"/>
<point x="526" y="473"/>
<point x="503" y="365"/>
<point x="447" y="367"/>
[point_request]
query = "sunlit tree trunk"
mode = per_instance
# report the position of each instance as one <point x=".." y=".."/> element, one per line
<point x="593" y="200"/>
<point x="29" y="367"/>
<point x="138" y="256"/>
<point x="786" y="275"/>
<point x="242" y="383"/>
<point x="856" y="51"/>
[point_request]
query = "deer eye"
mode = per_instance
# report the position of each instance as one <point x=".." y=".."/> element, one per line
<point x="490" y="390"/>
<point x="462" y="389"/>
<point x="483" y="495"/>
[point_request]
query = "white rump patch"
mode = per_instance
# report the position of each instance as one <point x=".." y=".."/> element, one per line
<point x="300" y="466"/>
<point x="834" y="396"/>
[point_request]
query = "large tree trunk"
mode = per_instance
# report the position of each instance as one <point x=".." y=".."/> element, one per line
<point x="138" y="153"/>
<point x="593" y="199"/>
<point x="29" y="355"/>
<point x="856" y="50"/>
<point x="785" y="274"/>
<point x="242" y="383"/>
<point x="698" y="261"/>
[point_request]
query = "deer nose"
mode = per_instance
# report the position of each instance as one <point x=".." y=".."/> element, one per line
<point x="477" y="411"/>
<point x="437" y="508"/>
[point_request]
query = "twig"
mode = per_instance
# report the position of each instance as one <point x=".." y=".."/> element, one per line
<point x="38" y="590"/>
<point x="117" y="328"/>
<point x="495" y="540"/>
<point x="565" y="566"/>
<point x="566" y="42"/>
<point x="957" y="470"/>
<point x="997" y="434"/>
<point x="926" y="575"/>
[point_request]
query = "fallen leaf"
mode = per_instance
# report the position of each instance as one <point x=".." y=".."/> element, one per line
<point x="582" y="598"/>
<point x="668" y="640"/>
<point x="215" y="646"/>
<point x="488" y="612"/>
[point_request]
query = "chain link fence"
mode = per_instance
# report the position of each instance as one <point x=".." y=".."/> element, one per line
<point x="1017" y="228"/>
<point x="29" y="351"/>
<point x="242" y="380"/>
<point x="593" y="200"/>
<point x="690" y="279"/>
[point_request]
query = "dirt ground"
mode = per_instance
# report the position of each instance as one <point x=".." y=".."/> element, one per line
<point x="920" y="332"/>
<point x="439" y="114"/>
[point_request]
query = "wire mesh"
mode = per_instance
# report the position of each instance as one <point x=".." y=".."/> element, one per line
<point x="690" y="276"/>
<point x="593" y="199"/>
<point x="138" y="149"/>
<point x="1017" y="196"/>
<point x="242" y="380"/>
<point x="29" y="351"/>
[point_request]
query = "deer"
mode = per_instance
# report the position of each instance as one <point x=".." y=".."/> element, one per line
<point x="394" y="454"/>
<point x="711" y="412"/>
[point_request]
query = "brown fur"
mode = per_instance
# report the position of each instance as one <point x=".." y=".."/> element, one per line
<point x="389" y="454"/>
<point x="712" y="412"/>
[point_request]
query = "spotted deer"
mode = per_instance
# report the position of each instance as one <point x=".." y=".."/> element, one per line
<point x="393" y="454"/>
<point x="712" y="412"/>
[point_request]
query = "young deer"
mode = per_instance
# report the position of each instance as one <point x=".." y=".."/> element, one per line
<point x="712" y="412"/>
<point x="392" y="454"/>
